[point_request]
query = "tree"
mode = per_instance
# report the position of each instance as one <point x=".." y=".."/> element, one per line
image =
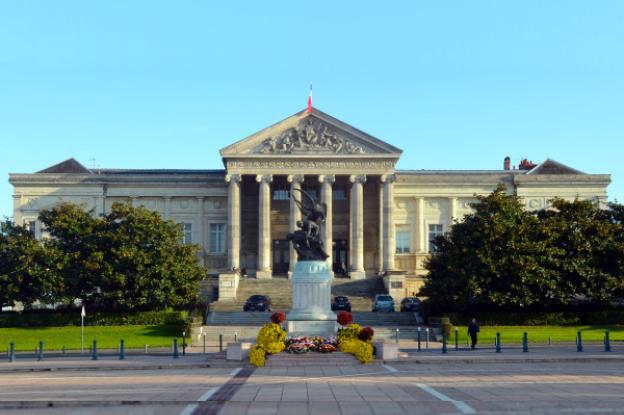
<point x="129" y="258"/>
<point x="25" y="268"/>
<point x="588" y="254"/>
<point x="493" y="258"/>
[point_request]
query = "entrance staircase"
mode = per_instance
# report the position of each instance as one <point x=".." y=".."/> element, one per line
<point x="361" y="293"/>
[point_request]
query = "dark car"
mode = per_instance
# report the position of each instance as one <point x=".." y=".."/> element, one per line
<point x="258" y="302"/>
<point x="383" y="302"/>
<point x="341" y="302"/>
<point x="410" y="304"/>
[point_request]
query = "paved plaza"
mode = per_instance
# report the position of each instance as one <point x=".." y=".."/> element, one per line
<point x="460" y="383"/>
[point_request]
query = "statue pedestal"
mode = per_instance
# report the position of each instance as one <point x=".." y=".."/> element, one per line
<point x="311" y="314"/>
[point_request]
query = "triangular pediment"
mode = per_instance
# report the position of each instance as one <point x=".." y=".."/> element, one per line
<point x="68" y="166"/>
<point x="550" y="166"/>
<point x="308" y="134"/>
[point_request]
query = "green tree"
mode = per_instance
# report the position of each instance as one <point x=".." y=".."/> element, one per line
<point x="588" y="253"/>
<point x="494" y="257"/>
<point x="25" y="268"/>
<point x="128" y="259"/>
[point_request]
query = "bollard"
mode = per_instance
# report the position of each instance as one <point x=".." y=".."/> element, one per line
<point x="145" y="349"/>
<point x="63" y="349"/>
<point x="204" y="343"/>
<point x="456" y="338"/>
<point x="418" y="332"/>
<point x="94" y="353"/>
<point x="579" y="342"/>
<point x="549" y="340"/>
<point x="525" y="342"/>
<point x="396" y="336"/>
<point x="443" y="341"/>
<point x="122" y="352"/>
<point x="175" y="349"/>
<point x="220" y="342"/>
<point x="427" y="338"/>
<point x="183" y="343"/>
<point x="235" y="337"/>
<point x="12" y="352"/>
<point x="498" y="343"/>
<point x="607" y="342"/>
<point x="40" y="354"/>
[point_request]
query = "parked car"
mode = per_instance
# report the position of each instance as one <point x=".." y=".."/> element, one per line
<point x="383" y="302"/>
<point x="258" y="302"/>
<point x="411" y="304"/>
<point x="341" y="302"/>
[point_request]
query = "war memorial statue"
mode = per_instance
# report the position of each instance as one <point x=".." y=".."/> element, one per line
<point x="311" y="314"/>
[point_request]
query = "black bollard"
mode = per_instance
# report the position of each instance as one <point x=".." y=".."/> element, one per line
<point x="40" y="354"/>
<point x="498" y="343"/>
<point x="122" y="351"/>
<point x="607" y="341"/>
<point x="12" y="352"/>
<point x="456" y="338"/>
<point x="418" y="331"/>
<point x="175" y="349"/>
<point x="443" y="340"/>
<point x="525" y="342"/>
<point x="220" y="342"/>
<point x="579" y="342"/>
<point x="204" y="343"/>
<point x="94" y="353"/>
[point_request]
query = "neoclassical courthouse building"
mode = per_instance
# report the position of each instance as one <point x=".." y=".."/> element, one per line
<point x="379" y="218"/>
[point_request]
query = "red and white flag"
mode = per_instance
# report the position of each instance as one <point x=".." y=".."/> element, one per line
<point x="310" y="99"/>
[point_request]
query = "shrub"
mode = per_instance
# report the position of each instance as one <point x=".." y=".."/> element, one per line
<point x="349" y="333"/>
<point x="366" y="334"/>
<point x="345" y="318"/>
<point x="278" y="317"/>
<point x="271" y="338"/>
<point x="53" y="318"/>
<point x="256" y="356"/>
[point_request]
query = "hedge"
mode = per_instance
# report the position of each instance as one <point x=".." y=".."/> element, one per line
<point x="553" y="318"/>
<point x="46" y="318"/>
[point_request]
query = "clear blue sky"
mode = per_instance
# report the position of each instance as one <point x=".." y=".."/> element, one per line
<point x="456" y="84"/>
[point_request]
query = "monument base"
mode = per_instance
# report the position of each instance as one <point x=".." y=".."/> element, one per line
<point x="310" y="328"/>
<point x="266" y="274"/>
<point x="357" y="275"/>
<point x="311" y="314"/>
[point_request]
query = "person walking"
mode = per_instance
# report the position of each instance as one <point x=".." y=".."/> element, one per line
<point x="473" y="329"/>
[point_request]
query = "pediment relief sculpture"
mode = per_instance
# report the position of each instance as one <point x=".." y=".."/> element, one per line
<point x="309" y="136"/>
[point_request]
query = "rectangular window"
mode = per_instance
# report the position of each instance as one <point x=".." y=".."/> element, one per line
<point x="32" y="227"/>
<point x="435" y="230"/>
<point x="186" y="229"/>
<point x="339" y="193"/>
<point x="402" y="241"/>
<point x="217" y="238"/>
<point x="280" y="193"/>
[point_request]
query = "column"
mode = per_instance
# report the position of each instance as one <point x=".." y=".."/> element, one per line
<point x="421" y="232"/>
<point x="200" y="225"/>
<point x="263" y="269"/>
<point x="452" y="211"/>
<point x="17" y="209"/>
<point x="357" y="227"/>
<point x="326" y="181"/>
<point x="294" y="215"/>
<point x="167" y="208"/>
<point x="389" y="239"/>
<point x="234" y="219"/>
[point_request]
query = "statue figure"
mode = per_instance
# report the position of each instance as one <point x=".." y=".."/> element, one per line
<point x="307" y="239"/>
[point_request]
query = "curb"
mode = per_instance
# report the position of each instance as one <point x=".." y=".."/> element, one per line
<point x="487" y="359"/>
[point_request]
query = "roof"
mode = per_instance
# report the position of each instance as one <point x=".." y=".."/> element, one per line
<point x="71" y="165"/>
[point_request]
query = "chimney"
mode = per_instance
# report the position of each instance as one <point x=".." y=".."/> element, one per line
<point x="507" y="163"/>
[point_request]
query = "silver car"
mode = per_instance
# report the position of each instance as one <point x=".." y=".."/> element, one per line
<point x="383" y="302"/>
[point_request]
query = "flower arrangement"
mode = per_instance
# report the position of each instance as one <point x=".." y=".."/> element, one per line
<point x="256" y="356"/>
<point x="317" y="344"/>
<point x="278" y="317"/>
<point x="326" y="348"/>
<point x="271" y="338"/>
<point x="366" y="334"/>
<point x="345" y="318"/>
<point x="357" y="341"/>
<point x="298" y="348"/>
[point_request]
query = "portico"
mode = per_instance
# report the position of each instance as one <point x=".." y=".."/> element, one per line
<point x="319" y="154"/>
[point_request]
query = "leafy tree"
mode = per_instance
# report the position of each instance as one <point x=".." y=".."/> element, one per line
<point x="129" y="258"/>
<point x="493" y="258"/>
<point x="588" y="255"/>
<point x="25" y="267"/>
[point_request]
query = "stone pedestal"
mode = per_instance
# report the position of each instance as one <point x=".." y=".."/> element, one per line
<point x="387" y="351"/>
<point x="237" y="351"/>
<point x="311" y="314"/>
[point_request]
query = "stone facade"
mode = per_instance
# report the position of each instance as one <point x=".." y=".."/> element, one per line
<point x="380" y="219"/>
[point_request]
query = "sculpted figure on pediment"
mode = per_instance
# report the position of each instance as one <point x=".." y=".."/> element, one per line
<point x="309" y="137"/>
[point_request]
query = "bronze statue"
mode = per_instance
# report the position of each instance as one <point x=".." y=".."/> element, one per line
<point x="307" y="240"/>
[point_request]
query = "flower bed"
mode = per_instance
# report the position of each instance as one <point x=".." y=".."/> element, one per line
<point x="315" y="344"/>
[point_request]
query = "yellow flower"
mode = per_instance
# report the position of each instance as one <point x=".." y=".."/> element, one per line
<point x="256" y="356"/>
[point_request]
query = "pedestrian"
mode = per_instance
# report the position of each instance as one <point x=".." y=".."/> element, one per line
<point x="473" y="329"/>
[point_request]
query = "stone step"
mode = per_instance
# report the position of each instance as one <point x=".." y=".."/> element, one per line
<point x="311" y="359"/>
<point x="219" y="318"/>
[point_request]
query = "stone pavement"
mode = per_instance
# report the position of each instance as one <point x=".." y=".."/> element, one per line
<point x="484" y="382"/>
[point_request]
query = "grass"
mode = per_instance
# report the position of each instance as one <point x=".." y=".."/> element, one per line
<point x="540" y="334"/>
<point x="107" y="337"/>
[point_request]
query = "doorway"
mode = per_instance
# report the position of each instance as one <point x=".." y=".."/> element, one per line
<point x="340" y="257"/>
<point x="281" y="256"/>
